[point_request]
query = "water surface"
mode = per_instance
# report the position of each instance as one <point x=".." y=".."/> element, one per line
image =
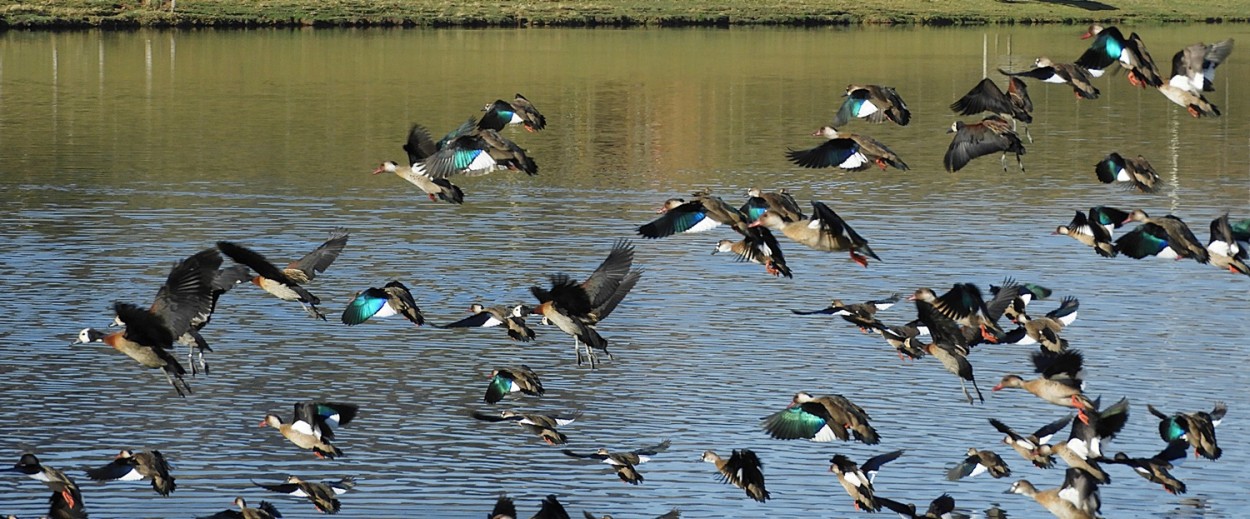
<point x="124" y="152"/>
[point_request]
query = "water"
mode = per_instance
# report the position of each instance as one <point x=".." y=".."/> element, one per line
<point x="124" y="152"/>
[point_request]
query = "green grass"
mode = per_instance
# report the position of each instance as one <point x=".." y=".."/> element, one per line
<point x="525" y="13"/>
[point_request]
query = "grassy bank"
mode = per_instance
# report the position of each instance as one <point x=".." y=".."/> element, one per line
<point x="49" y="14"/>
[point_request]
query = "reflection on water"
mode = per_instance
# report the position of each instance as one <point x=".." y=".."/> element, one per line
<point x="114" y="167"/>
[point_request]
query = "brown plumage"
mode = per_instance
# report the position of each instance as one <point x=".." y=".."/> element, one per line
<point x="742" y="470"/>
<point x="993" y="134"/>
<point x="129" y="466"/>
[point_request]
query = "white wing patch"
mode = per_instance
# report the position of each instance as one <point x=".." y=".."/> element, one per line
<point x="867" y="109"/>
<point x="825" y="434"/>
<point x="1071" y="495"/>
<point x="852" y="478"/>
<point x="1079" y="448"/>
<point x="133" y="475"/>
<point x="853" y="162"/>
<point x="1068" y="319"/>
<point x="386" y="311"/>
<point x="978" y="470"/>
<point x="706" y="224"/>
<point x="303" y="427"/>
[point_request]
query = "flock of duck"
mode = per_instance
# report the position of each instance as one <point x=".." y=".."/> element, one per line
<point x="948" y="325"/>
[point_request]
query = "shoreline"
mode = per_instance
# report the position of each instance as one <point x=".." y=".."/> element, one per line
<point x="246" y="14"/>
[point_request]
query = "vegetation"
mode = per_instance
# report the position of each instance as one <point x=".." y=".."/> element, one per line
<point x="48" y="14"/>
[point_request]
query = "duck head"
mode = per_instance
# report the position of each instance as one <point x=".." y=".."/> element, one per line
<point x="271" y="420"/>
<point x="670" y="204"/>
<point x="89" y="335"/>
<point x="1091" y="32"/>
<point x="1009" y="381"/>
<point x="724" y="246"/>
<point x="827" y="132"/>
<point x="1043" y="62"/>
<point x="386" y="167"/>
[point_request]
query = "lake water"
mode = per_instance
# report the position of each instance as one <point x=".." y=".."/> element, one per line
<point x="121" y="153"/>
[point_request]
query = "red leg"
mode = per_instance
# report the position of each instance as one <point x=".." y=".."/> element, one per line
<point x="69" y="497"/>
<point x="989" y="337"/>
<point x="432" y="197"/>
<point x="861" y="260"/>
<point x="1193" y="111"/>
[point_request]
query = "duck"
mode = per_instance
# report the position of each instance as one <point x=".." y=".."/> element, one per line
<point x="857" y="479"/>
<point x="780" y="202"/>
<point x="505" y="508"/>
<point x="1091" y="235"/>
<point x="1045" y="330"/>
<point x="1060" y="383"/>
<point x="624" y="463"/>
<point x="149" y="334"/>
<point x="265" y="510"/>
<point x="65" y="494"/>
<point x="760" y="247"/>
<point x="849" y="151"/>
<point x="1065" y="502"/>
<point x="519" y="379"/>
<point x="940" y="508"/>
<point x="1197" y="428"/>
<point x="520" y="110"/>
<point x="862" y="315"/>
<point x="825" y="231"/>
<point x="551" y="509"/>
<point x="979" y="462"/>
<point x="904" y="339"/>
<point x="543" y="425"/>
<point x="224" y="280"/>
<point x="1223" y="249"/>
<point x="821" y="419"/>
<point x="1137" y="173"/>
<point x="1179" y="238"/>
<point x="1013" y="105"/>
<point x="1156" y="469"/>
<point x="1027" y="446"/>
<point x="1024" y="293"/>
<point x="993" y="134"/>
<point x="577" y="308"/>
<point x="1110" y="46"/>
<point x="477" y="151"/>
<point x="1193" y="68"/>
<point x="286" y="284"/>
<point x="1083" y="449"/>
<point x="964" y="305"/>
<point x="393" y="298"/>
<point x="671" y="514"/>
<point x="313" y="425"/>
<point x="1061" y="73"/>
<point x="987" y="97"/>
<point x="131" y="466"/>
<point x="419" y="147"/>
<point x="876" y="103"/>
<point x="743" y="469"/>
<point x="511" y="318"/>
<point x="324" y="495"/>
<point x="703" y="212"/>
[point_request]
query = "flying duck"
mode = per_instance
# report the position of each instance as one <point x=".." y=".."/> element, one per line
<point x="512" y="318"/>
<point x="129" y="466"/>
<point x="419" y="147"/>
<point x="286" y="284"/>
<point x="1050" y="72"/>
<point x="992" y="134"/>
<point x="324" y="495"/>
<point x="577" y="308"/>
<point x="313" y="425"/>
<point x="875" y="103"/>
<point x="849" y="151"/>
<point x="743" y="469"/>
<point x="624" y="462"/>
<point x="392" y="299"/>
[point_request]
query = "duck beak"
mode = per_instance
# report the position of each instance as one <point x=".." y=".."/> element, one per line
<point x="379" y="170"/>
<point x="911" y="297"/>
<point x="1087" y="35"/>
<point x="998" y="387"/>
<point x="755" y="224"/>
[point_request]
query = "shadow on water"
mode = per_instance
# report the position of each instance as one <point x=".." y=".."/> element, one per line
<point x="1088" y="5"/>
